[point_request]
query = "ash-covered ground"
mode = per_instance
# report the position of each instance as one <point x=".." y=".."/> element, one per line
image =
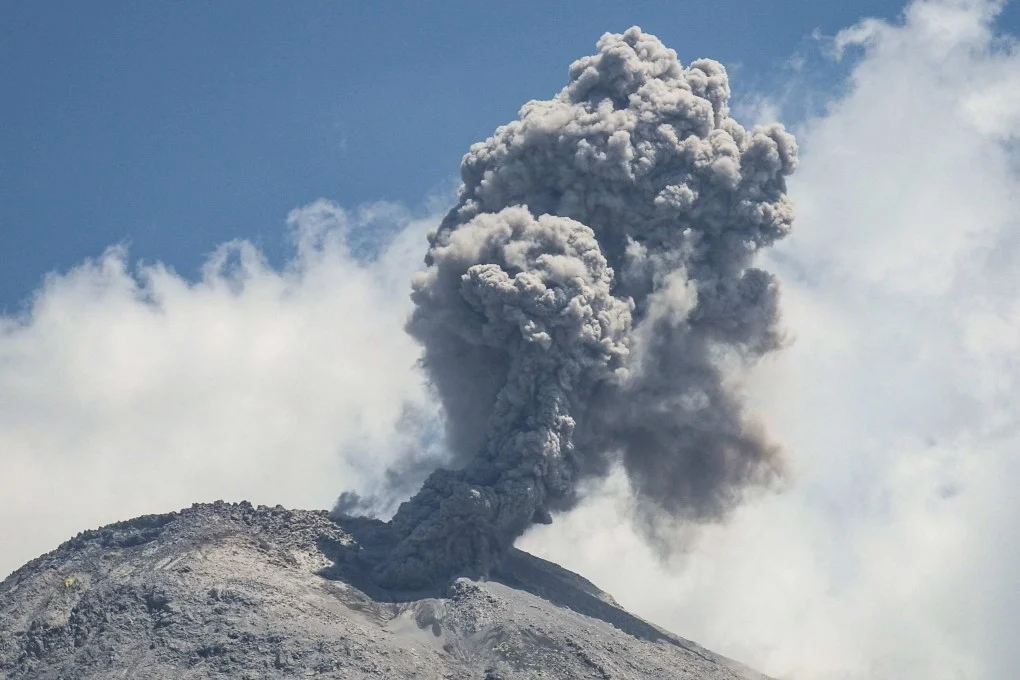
<point x="233" y="591"/>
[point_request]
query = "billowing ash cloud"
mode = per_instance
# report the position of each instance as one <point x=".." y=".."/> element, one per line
<point x="588" y="300"/>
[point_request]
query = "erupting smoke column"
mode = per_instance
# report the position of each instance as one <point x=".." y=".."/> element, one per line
<point x="586" y="300"/>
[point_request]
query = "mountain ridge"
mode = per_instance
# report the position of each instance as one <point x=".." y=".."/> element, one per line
<point x="233" y="590"/>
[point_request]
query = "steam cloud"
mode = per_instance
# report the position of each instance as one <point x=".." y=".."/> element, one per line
<point x="588" y="301"/>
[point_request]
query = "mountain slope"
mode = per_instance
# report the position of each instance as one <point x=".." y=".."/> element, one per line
<point x="228" y="590"/>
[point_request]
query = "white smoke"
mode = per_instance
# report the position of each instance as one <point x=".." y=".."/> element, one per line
<point x="126" y="389"/>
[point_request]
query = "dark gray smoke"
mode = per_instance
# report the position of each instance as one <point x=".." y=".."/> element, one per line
<point x="590" y="299"/>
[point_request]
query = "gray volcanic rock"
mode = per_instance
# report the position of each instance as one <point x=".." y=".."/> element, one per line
<point x="232" y="591"/>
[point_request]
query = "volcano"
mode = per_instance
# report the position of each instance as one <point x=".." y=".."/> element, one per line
<point x="227" y="590"/>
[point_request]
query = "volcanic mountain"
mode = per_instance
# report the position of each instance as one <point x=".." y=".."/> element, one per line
<point x="590" y="303"/>
<point x="233" y="591"/>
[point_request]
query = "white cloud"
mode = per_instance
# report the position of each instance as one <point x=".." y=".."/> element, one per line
<point x="126" y="389"/>
<point x="894" y="551"/>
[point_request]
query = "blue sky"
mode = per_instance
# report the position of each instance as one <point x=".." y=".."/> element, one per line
<point x="242" y="346"/>
<point x="173" y="127"/>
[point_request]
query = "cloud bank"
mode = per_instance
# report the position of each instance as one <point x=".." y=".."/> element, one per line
<point x="126" y="389"/>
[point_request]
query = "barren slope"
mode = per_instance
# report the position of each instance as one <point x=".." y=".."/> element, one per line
<point x="226" y="590"/>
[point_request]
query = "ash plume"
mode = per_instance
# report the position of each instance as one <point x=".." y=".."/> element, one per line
<point x="587" y="303"/>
